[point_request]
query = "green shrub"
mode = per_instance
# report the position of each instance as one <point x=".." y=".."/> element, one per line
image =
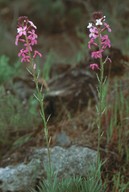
<point x="15" y="117"/>
<point x="6" y="70"/>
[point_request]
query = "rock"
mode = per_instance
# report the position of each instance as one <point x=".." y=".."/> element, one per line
<point x="62" y="139"/>
<point x="74" y="160"/>
<point x="18" y="178"/>
<point x="71" y="90"/>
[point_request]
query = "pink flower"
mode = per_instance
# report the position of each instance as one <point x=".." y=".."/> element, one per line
<point x="17" y="39"/>
<point x="94" y="66"/>
<point x="25" y="59"/>
<point x="107" y="27"/>
<point x="32" y="37"/>
<point x="105" y="42"/>
<point x="97" y="54"/>
<point x="97" y="40"/>
<point x="32" y="24"/>
<point x="21" y="30"/>
<point x="26" y="35"/>
<point x="28" y="47"/>
<point x="37" y="53"/>
<point x="91" y="42"/>
<point x="25" y="55"/>
<point x="23" y="52"/>
<point x="93" y="32"/>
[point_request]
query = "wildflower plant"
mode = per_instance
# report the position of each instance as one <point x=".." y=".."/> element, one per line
<point x="26" y="35"/>
<point x="98" y="43"/>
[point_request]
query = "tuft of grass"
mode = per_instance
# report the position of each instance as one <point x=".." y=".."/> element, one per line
<point x="15" y="117"/>
<point x="115" y="130"/>
<point x="116" y="117"/>
<point x="119" y="184"/>
<point x="92" y="183"/>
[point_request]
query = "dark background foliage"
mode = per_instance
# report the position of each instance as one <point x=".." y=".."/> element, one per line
<point x="62" y="16"/>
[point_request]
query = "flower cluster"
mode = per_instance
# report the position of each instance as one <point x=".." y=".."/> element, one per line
<point x="98" y="40"/>
<point x="26" y="35"/>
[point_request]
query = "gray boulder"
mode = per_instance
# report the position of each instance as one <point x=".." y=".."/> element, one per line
<point x="74" y="160"/>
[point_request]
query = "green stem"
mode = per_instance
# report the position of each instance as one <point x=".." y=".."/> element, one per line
<point x="40" y="99"/>
<point x="100" y="92"/>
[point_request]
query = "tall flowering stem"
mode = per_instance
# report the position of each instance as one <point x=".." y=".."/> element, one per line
<point x="26" y="35"/>
<point x="98" y="43"/>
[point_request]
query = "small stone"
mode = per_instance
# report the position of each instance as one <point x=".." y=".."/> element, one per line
<point x="62" y="139"/>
